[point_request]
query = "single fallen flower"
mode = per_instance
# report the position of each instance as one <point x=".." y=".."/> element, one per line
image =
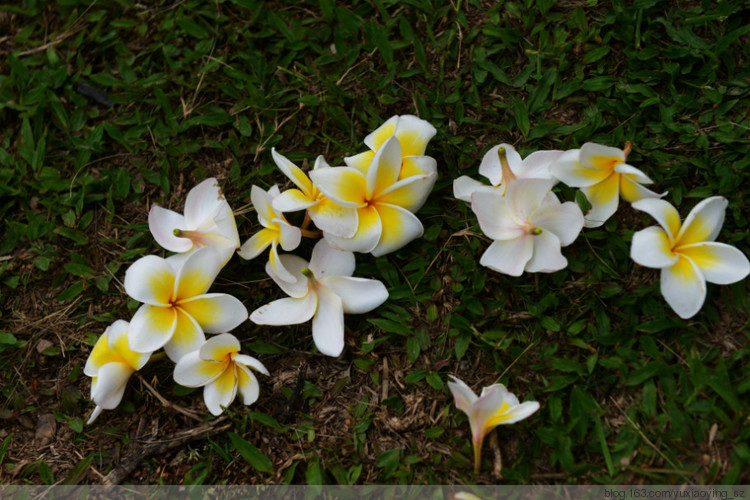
<point x="686" y="253"/>
<point x="323" y="291"/>
<point x="110" y="364"/>
<point x="222" y="371"/>
<point x="495" y="406"/>
<point x="208" y="221"/>
<point x="176" y="309"/>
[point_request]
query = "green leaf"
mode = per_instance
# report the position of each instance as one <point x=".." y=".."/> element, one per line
<point x="80" y="469"/>
<point x="250" y="453"/>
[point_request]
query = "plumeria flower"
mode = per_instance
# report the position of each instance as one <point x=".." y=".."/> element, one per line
<point x="603" y="176"/>
<point x="208" y="221"/>
<point x="686" y="253"/>
<point x="502" y="165"/>
<point x="327" y="215"/>
<point x="413" y="133"/>
<point x="110" y="364"/>
<point x="529" y="225"/>
<point x="177" y="310"/>
<point x="324" y="291"/>
<point x="495" y="406"/>
<point x="385" y="204"/>
<point x="276" y="231"/>
<point x="222" y="371"/>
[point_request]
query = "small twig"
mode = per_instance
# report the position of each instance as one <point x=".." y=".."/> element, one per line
<point x="168" y="404"/>
<point x="497" y="467"/>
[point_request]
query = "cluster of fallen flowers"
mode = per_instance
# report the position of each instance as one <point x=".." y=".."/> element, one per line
<point x="368" y="206"/>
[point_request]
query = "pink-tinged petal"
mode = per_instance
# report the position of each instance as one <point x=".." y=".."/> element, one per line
<point x="192" y="371"/>
<point x="367" y="236"/>
<point x="327" y="261"/>
<point x="249" y="361"/>
<point x="262" y="201"/>
<point x="295" y="174"/>
<point x="633" y="173"/>
<point x="376" y="138"/>
<point x="604" y="198"/>
<point x="547" y="257"/>
<point x="188" y="336"/>
<point x="292" y="200"/>
<point x="413" y="133"/>
<point x="600" y="157"/>
<point x="464" y="186"/>
<point x="462" y="394"/>
<point x="345" y="186"/>
<point x="417" y="165"/>
<point x="203" y="202"/>
<point x="150" y="280"/>
<point x="491" y="167"/>
<point x="509" y="256"/>
<point x="151" y="328"/>
<point x="293" y="265"/>
<point x="564" y="220"/>
<point x="334" y="219"/>
<point x="525" y="196"/>
<point x="162" y="223"/>
<point x="569" y="170"/>
<point x="197" y="273"/>
<point x="358" y="295"/>
<point x="651" y="248"/>
<point x="704" y="221"/>
<point x="110" y="385"/>
<point x="720" y="263"/>
<point x="384" y="169"/>
<point x="219" y="347"/>
<point x="494" y="400"/>
<point x="399" y="227"/>
<point x="289" y="236"/>
<point x="409" y="193"/>
<point x="247" y="385"/>
<point x="516" y="414"/>
<point x="328" y="323"/>
<point x="664" y="213"/>
<point x="257" y="243"/>
<point x="494" y="216"/>
<point x="360" y="162"/>
<point x="221" y="392"/>
<point x="286" y="311"/>
<point x="536" y="165"/>
<point x="683" y="287"/>
<point x="632" y="191"/>
<point x="215" y="312"/>
<point x="277" y="265"/>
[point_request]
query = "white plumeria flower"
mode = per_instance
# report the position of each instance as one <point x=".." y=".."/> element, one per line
<point x="502" y="165"/>
<point x="385" y="204"/>
<point x="324" y="291"/>
<point x="110" y="364"/>
<point x="276" y="231"/>
<point x="495" y="406"/>
<point x="222" y="371"/>
<point x="686" y="253"/>
<point x="413" y="133"/>
<point x="208" y="221"/>
<point x="177" y="310"/>
<point x="529" y="225"/>
<point x="602" y="174"/>
<point x="326" y="214"/>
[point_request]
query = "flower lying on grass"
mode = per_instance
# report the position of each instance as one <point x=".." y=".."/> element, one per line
<point x="324" y="290"/>
<point x="177" y="310"/>
<point x="208" y="221"/>
<point x="222" y="371"/>
<point x="110" y="364"/>
<point x="495" y="406"/>
<point x="687" y="254"/>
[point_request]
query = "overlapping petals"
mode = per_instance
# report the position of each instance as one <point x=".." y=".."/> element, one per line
<point x="222" y="371"/>
<point x="323" y="291"/>
<point x="529" y="225"/>
<point x="495" y="406"/>
<point x="686" y="253"/>
<point x="276" y="231"/>
<point x="110" y="364"/>
<point x="603" y="176"/>
<point x="208" y="221"/>
<point x="176" y="309"/>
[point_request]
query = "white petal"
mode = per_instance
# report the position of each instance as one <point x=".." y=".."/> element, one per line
<point x="286" y="311"/>
<point x="683" y="287"/>
<point x="262" y="201"/>
<point x="631" y="191"/>
<point x="569" y="170"/>
<point x="564" y="220"/>
<point x="596" y="155"/>
<point x="536" y="165"/>
<point x="94" y="415"/>
<point x="651" y="248"/>
<point x="334" y="219"/>
<point x="151" y="328"/>
<point x="221" y="391"/>
<point x="377" y="137"/>
<point x="244" y="359"/>
<point x="547" y="257"/>
<point x="150" y="279"/>
<point x="508" y="256"/>
<point x="218" y="347"/>
<point x="192" y="371"/>
<point x="413" y="133"/>
<point x="358" y="295"/>
<point x="328" y="323"/>
<point x="409" y="193"/>
<point x="292" y="171"/>
<point x="525" y="196"/>
<point x="203" y="203"/>
<point x="327" y="261"/>
<point x="110" y="385"/>
<point x="462" y="394"/>
<point x="385" y="167"/>
<point x="197" y="273"/>
<point x="360" y="161"/>
<point x="247" y="385"/>
<point x="664" y="213"/>
<point x="188" y="336"/>
<point x="491" y="167"/>
<point x="637" y="174"/>
<point x="495" y="217"/>
<point x="720" y="263"/>
<point x="604" y="198"/>
<point x="293" y="266"/>
<point x="367" y="236"/>
<point x="344" y="185"/>
<point x="292" y="200"/>
<point x="704" y="221"/>
<point x="522" y="411"/>
<point x="162" y="223"/>
<point x="257" y="243"/>
<point x="215" y="312"/>
<point x="290" y="236"/>
<point x="464" y="186"/>
<point x="277" y="265"/>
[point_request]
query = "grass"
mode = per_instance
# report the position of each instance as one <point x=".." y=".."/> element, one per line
<point x="185" y="90"/>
